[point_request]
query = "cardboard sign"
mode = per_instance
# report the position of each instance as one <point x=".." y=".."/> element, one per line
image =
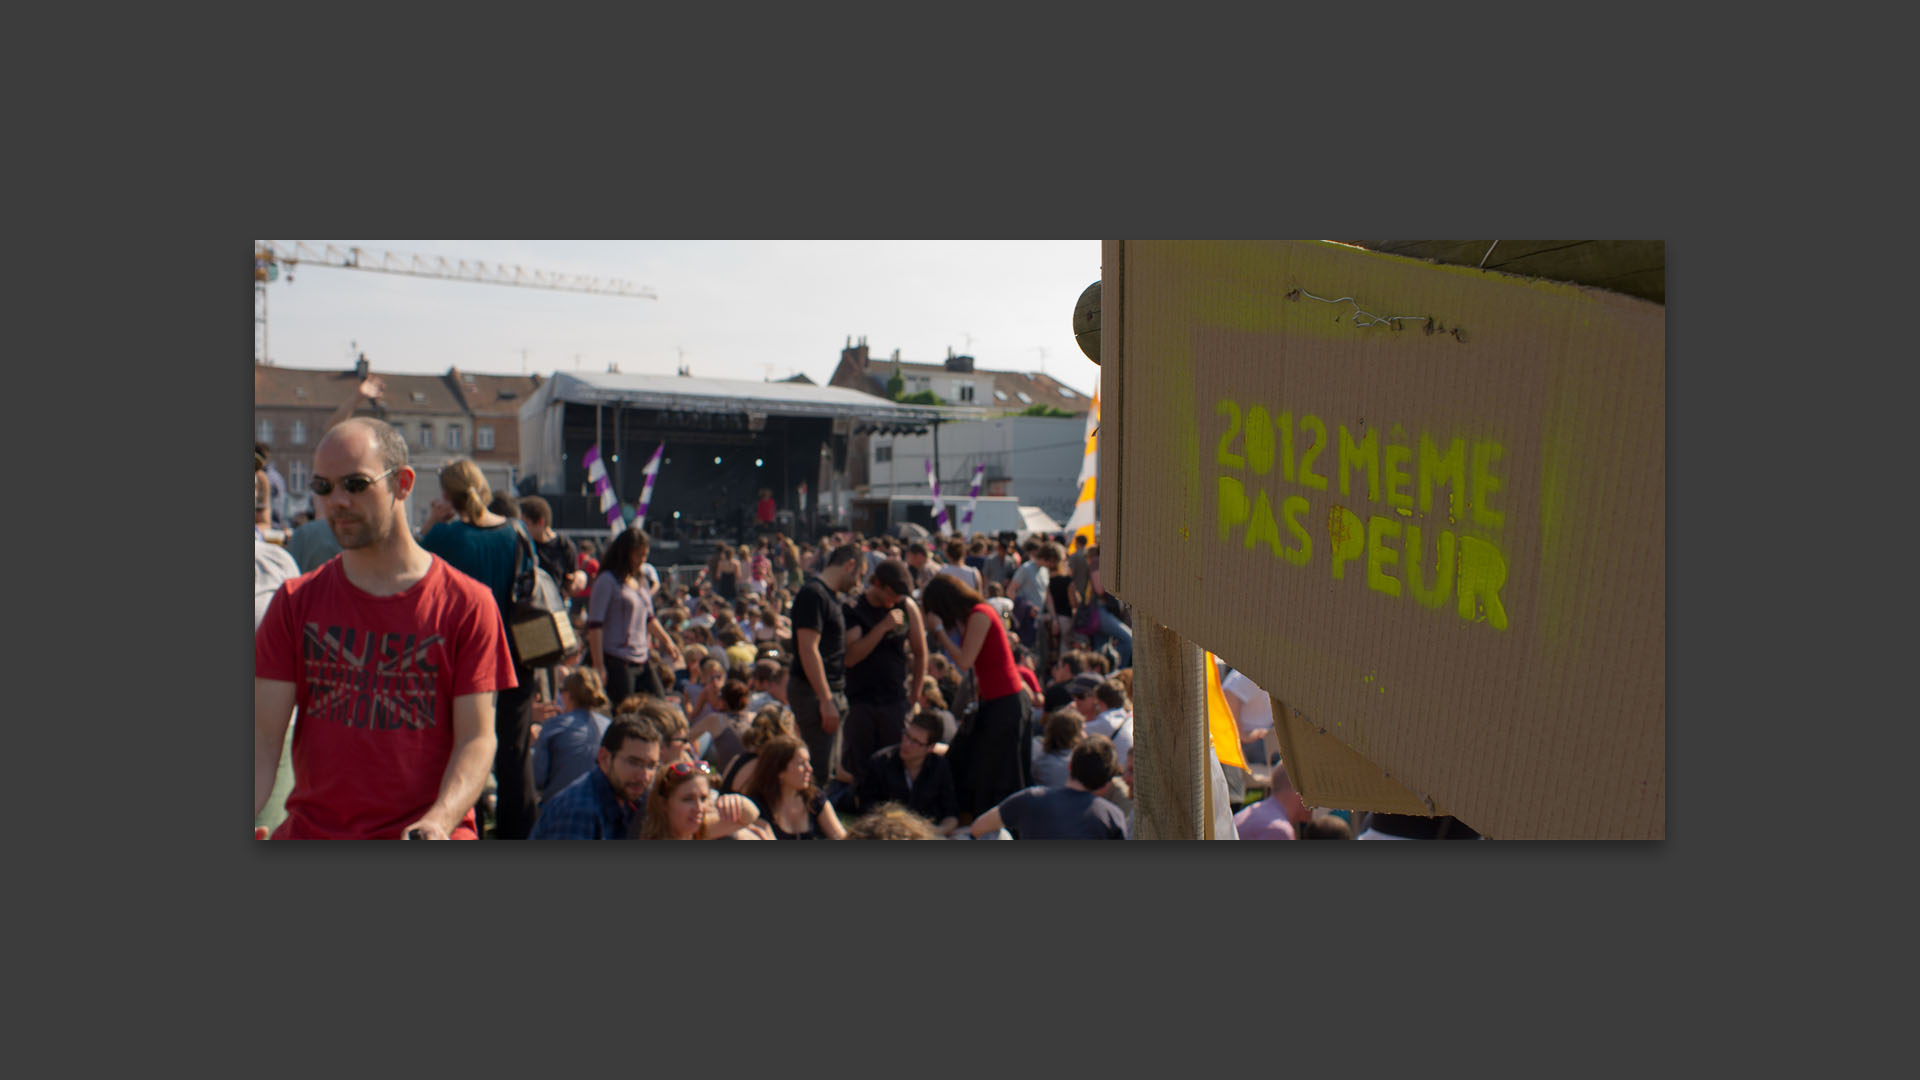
<point x="1423" y="506"/>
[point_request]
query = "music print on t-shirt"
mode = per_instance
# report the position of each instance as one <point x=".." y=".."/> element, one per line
<point x="382" y="682"/>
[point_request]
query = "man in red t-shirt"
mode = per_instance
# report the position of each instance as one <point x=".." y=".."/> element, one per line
<point x="392" y="656"/>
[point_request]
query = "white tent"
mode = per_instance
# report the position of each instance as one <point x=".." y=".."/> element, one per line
<point x="1039" y="520"/>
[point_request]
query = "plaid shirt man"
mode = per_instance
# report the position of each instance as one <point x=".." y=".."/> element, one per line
<point x="587" y="809"/>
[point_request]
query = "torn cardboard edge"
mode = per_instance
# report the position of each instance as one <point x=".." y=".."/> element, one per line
<point x="1326" y="772"/>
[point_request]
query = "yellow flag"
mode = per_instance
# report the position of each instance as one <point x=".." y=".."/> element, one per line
<point x="1220" y="722"/>
<point x="1082" y="522"/>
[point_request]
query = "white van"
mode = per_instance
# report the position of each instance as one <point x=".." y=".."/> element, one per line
<point x="993" y="515"/>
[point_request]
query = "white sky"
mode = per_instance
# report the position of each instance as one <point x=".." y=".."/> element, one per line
<point x="744" y="309"/>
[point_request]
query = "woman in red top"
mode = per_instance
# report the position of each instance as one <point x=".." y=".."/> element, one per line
<point x="989" y="755"/>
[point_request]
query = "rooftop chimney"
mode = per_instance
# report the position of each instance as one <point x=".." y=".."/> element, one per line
<point x="855" y="356"/>
<point x="360" y="366"/>
<point x="958" y="363"/>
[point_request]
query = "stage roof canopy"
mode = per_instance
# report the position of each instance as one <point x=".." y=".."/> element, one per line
<point x="543" y="456"/>
<point x="693" y="394"/>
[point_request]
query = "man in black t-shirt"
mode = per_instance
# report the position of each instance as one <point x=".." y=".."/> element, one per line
<point x="816" y="685"/>
<point x="884" y="631"/>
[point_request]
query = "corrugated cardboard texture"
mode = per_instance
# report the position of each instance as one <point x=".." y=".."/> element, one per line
<point x="1517" y="425"/>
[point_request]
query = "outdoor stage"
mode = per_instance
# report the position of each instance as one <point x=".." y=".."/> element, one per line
<point x="726" y="439"/>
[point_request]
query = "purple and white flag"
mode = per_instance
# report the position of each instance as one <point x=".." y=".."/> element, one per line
<point x="939" y="508"/>
<point x="973" y="498"/>
<point x="603" y="487"/>
<point x="652" y="472"/>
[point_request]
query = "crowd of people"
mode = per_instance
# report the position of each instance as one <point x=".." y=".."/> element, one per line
<point x="853" y="687"/>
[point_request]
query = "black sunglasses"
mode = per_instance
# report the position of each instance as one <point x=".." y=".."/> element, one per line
<point x="355" y="483"/>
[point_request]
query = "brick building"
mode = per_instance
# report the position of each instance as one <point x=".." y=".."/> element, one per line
<point x="442" y="417"/>
<point x="493" y="405"/>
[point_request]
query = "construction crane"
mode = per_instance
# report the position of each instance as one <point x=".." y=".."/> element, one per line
<point x="273" y="257"/>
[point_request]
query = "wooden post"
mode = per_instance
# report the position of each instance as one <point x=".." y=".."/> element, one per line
<point x="1169" y="737"/>
<point x="1171" y="798"/>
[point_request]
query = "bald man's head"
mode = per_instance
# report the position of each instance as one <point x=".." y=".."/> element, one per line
<point x="356" y="433"/>
<point x="372" y="516"/>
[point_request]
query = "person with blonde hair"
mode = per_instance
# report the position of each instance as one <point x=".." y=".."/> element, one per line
<point x="485" y="546"/>
<point x="891" y="821"/>
<point x="693" y="657"/>
<point x="567" y="743"/>
<point x="760" y="572"/>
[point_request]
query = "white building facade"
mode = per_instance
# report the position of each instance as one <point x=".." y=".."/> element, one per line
<point x="1035" y="459"/>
